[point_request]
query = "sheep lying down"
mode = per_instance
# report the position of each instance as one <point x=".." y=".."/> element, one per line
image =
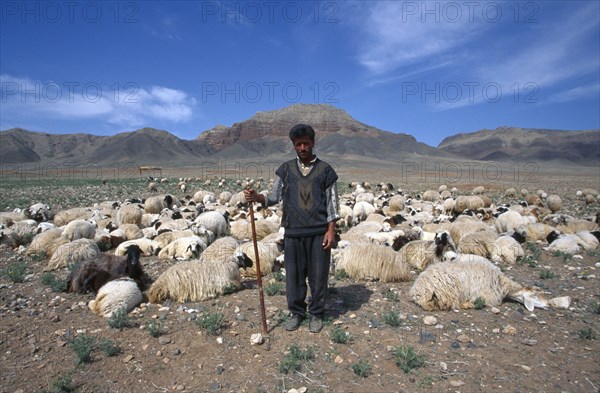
<point x="457" y="284"/>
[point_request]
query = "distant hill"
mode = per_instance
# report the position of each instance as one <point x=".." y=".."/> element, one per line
<point x="264" y="136"/>
<point x="522" y="144"/>
<point x="338" y="134"/>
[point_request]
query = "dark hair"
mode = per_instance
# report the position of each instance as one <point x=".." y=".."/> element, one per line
<point x="300" y="130"/>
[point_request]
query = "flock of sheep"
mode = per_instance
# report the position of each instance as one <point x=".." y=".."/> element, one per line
<point x="452" y="246"/>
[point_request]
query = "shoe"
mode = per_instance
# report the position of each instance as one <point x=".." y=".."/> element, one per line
<point x="315" y="324"/>
<point x="293" y="323"/>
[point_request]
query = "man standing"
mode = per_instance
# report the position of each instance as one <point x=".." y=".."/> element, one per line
<point x="307" y="187"/>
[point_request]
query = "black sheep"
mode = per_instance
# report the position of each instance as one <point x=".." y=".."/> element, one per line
<point x="90" y="276"/>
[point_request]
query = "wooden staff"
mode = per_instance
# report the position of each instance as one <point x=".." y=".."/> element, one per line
<point x="258" y="274"/>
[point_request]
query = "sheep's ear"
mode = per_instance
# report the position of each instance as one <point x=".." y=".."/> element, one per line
<point x="528" y="302"/>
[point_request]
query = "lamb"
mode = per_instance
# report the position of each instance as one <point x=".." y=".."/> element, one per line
<point x="365" y="261"/>
<point x="91" y="275"/>
<point x="421" y="253"/>
<point x="571" y="243"/>
<point x="79" y="229"/>
<point x="122" y="293"/>
<point x="71" y="253"/>
<point x="457" y="284"/>
<point x="183" y="248"/>
<point x="195" y="282"/>
<point x="214" y="221"/>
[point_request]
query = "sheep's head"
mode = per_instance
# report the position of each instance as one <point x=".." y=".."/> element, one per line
<point x="530" y="298"/>
<point x="195" y="248"/>
<point x="444" y="244"/>
<point x="243" y="260"/>
<point x="552" y="236"/>
<point x="133" y="252"/>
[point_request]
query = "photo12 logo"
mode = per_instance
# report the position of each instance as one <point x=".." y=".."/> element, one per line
<point x="455" y="92"/>
<point x="68" y="12"/>
<point x="251" y="12"/>
<point x="469" y="11"/>
<point x="253" y="92"/>
<point x="52" y="92"/>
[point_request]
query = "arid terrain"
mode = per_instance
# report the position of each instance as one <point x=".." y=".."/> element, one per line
<point x="505" y="349"/>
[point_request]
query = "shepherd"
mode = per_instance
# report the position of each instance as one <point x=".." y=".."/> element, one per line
<point x="307" y="187"/>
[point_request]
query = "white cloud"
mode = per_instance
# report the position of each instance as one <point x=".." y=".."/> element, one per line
<point x="130" y="105"/>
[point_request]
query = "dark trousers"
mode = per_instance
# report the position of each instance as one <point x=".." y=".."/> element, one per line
<point x="305" y="258"/>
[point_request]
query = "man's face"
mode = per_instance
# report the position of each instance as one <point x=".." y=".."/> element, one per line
<point x="304" y="148"/>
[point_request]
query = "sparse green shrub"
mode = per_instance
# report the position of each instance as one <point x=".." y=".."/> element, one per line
<point x="595" y="308"/>
<point x="587" y="334"/>
<point x="546" y="274"/>
<point x="390" y="295"/>
<point x="83" y="345"/>
<point x="109" y="347"/>
<point x="230" y="288"/>
<point x="534" y="249"/>
<point x="391" y="318"/>
<point x="210" y="321"/>
<point x="38" y="256"/>
<point x="279" y="277"/>
<point x="363" y="368"/>
<point x="407" y="359"/>
<point x="15" y="272"/>
<point x="56" y="284"/>
<point x="276" y="288"/>
<point x="294" y="360"/>
<point x="120" y="319"/>
<point x="63" y="384"/>
<point x="566" y="257"/>
<point x="341" y="274"/>
<point x="155" y="329"/>
<point x="479" y="303"/>
<point x="340" y="336"/>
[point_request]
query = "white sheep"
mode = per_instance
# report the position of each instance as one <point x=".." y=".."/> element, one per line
<point x="220" y="250"/>
<point x="458" y="284"/>
<point x="214" y="221"/>
<point x="360" y="211"/>
<point x="64" y="217"/>
<point x="470" y="202"/>
<point x="397" y="203"/>
<point x="155" y="204"/>
<point x="478" y="243"/>
<point x="511" y="220"/>
<point x="183" y="248"/>
<point x="122" y="293"/>
<point x="554" y="203"/>
<point x="506" y="249"/>
<point x="73" y="252"/>
<point x="79" y="229"/>
<point x="267" y="253"/>
<point x="46" y="242"/>
<point x="147" y="246"/>
<point x="224" y="197"/>
<point x="421" y="253"/>
<point x="129" y="214"/>
<point x="194" y="282"/>
<point x="366" y="261"/>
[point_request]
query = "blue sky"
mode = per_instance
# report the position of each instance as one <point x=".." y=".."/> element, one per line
<point x="430" y="69"/>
